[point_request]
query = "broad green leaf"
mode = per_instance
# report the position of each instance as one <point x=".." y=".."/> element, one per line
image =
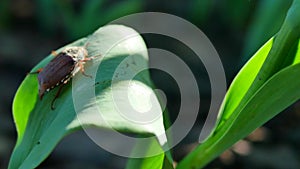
<point x="120" y="70"/>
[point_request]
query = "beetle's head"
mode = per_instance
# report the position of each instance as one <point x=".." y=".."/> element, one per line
<point x="78" y="53"/>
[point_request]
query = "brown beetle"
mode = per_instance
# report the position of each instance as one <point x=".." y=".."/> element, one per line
<point x="61" y="69"/>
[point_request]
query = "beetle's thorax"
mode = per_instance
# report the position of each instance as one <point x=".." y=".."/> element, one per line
<point x="78" y="53"/>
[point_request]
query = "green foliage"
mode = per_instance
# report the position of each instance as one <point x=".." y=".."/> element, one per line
<point x="40" y="128"/>
<point x="158" y="161"/>
<point x="264" y="87"/>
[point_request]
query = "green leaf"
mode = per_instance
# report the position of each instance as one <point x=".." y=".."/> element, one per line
<point x="253" y="99"/>
<point x="271" y="60"/>
<point x="235" y="94"/>
<point x="242" y="83"/>
<point x="274" y="96"/>
<point x="146" y="163"/>
<point x="160" y="161"/>
<point x="116" y="72"/>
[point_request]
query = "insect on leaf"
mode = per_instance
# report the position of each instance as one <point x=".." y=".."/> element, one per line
<point x="120" y="86"/>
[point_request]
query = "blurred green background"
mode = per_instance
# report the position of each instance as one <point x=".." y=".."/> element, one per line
<point x="30" y="29"/>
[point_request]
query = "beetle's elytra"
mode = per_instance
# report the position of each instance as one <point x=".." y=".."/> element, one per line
<point x="61" y="69"/>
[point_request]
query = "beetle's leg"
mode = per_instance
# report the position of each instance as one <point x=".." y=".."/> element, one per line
<point x="82" y="70"/>
<point x="54" y="53"/>
<point x="94" y="57"/>
<point x="36" y="72"/>
<point x="56" y="96"/>
<point x="87" y="59"/>
<point x="81" y="66"/>
<point x="90" y="58"/>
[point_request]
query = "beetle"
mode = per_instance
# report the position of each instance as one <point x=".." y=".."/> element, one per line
<point x="61" y="69"/>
